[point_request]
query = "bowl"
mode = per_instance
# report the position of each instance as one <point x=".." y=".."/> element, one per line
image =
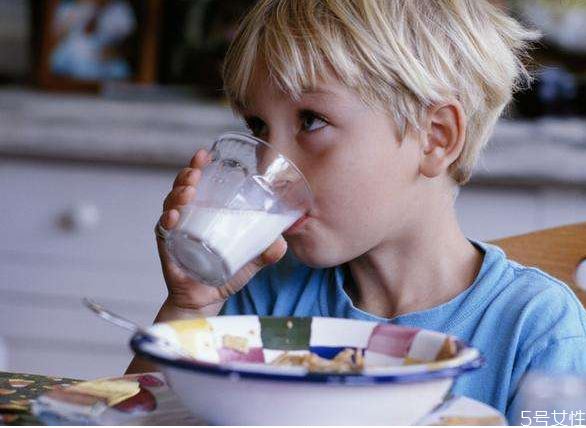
<point x="230" y="380"/>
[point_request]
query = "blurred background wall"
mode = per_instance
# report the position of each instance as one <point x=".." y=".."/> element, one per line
<point x="102" y="102"/>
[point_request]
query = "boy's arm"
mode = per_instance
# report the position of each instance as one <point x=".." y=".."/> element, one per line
<point x="560" y="356"/>
<point x="170" y="312"/>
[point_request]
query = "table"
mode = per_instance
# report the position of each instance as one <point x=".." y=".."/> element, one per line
<point x="17" y="390"/>
<point x="158" y="405"/>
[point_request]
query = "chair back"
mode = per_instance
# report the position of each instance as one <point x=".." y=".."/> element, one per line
<point x="558" y="251"/>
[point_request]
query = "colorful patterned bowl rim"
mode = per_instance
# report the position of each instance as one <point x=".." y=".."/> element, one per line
<point x="467" y="359"/>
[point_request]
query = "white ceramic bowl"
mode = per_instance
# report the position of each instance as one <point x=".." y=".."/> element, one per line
<point x="408" y="371"/>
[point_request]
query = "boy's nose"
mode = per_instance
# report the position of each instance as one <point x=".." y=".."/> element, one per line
<point x="273" y="161"/>
<point x="278" y="145"/>
<point x="269" y="160"/>
<point x="283" y="177"/>
<point x="265" y="159"/>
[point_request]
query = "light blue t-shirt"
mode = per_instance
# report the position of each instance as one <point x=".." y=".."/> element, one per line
<point x="519" y="317"/>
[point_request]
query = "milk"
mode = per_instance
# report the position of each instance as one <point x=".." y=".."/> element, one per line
<point x="215" y="243"/>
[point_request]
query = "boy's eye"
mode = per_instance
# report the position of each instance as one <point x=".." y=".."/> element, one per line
<point x="256" y="126"/>
<point x="311" y="122"/>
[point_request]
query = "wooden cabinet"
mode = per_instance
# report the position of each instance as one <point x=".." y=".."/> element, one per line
<point x="68" y="231"/>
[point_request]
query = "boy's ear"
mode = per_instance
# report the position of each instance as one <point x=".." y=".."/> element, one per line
<point x="443" y="138"/>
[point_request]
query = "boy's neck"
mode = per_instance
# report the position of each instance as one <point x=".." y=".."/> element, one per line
<point x="415" y="272"/>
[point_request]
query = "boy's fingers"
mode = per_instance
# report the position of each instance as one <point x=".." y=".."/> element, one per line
<point x="180" y="176"/>
<point x="273" y="254"/>
<point x="193" y="161"/>
<point x="200" y="159"/>
<point x="170" y="269"/>
<point x="169" y="219"/>
<point x="227" y="290"/>
<point x="187" y="177"/>
<point x="179" y="196"/>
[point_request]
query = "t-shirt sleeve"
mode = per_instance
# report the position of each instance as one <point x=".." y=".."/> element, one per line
<point x="561" y="356"/>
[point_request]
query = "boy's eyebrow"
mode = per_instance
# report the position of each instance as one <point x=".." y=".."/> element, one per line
<point x="318" y="91"/>
<point x="242" y="111"/>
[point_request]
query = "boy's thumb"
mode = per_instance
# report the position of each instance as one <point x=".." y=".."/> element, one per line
<point x="275" y="252"/>
<point x="271" y="255"/>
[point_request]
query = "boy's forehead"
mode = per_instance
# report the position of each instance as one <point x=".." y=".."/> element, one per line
<point x="263" y="100"/>
<point x="266" y="85"/>
<point x="266" y="91"/>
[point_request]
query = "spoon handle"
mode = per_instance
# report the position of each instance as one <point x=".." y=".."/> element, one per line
<point x="120" y="321"/>
<point x="111" y="316"/>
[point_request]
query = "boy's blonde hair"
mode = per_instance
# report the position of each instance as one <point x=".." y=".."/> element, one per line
<point x="401" y="55"/>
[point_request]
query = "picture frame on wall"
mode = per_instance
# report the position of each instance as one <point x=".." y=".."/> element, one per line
<point x="195" y="38"/>
<point x="78" y="45"/>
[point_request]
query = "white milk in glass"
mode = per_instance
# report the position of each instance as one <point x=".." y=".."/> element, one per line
<point x="234" y="235"/>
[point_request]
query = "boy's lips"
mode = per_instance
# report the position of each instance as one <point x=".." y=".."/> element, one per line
<point x="297" y="226"/>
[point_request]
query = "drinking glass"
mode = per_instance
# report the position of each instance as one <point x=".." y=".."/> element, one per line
<point x="247" y="196"/>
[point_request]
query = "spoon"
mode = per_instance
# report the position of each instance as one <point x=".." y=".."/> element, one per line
<point x="126" y="324"/>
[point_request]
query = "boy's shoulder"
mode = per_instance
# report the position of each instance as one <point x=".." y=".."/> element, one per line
<point x="538" y="300"/>
<point x="539" y="284"/>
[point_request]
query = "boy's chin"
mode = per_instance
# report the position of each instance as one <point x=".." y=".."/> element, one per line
<point x="314" y="257"/>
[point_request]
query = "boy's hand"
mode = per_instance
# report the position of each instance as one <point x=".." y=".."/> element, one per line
<point x="185" y="292"/>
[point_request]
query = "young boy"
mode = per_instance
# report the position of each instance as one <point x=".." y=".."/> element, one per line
<point x="385" y="105"/>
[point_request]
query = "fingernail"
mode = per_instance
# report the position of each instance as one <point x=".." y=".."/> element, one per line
<point x="163" y="219"/>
